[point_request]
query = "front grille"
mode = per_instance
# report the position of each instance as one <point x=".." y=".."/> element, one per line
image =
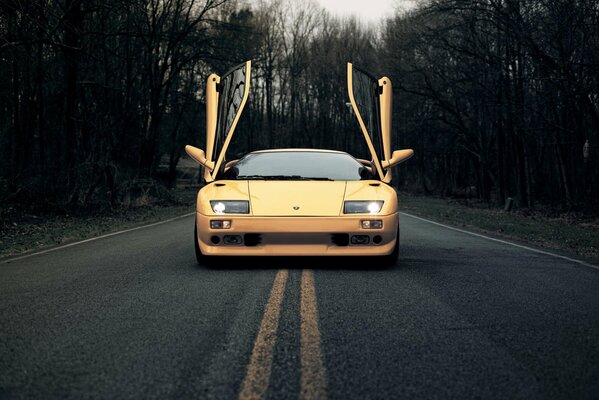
<point x="252" y="239"/>
<point x="340" y="239"/>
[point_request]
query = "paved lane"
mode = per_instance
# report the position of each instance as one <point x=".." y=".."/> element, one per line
<point x="133" y="316"/>
<point x="462" y="317"/>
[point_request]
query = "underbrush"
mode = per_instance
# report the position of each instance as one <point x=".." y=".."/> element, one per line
<point x="572" y="232"/>
<point x="29" y="226"/>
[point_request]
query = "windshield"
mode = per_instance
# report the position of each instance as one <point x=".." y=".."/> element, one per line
<point x="298" y="165"/>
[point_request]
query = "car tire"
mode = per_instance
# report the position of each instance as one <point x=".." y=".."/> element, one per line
<point x="201" y="258"/>
<point x="391" y="259"/>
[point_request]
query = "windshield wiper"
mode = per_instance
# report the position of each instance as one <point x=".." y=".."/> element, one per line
<point x="319" y="178"/>
<point x="263" y="177"/>
<point x="280" y="178"/>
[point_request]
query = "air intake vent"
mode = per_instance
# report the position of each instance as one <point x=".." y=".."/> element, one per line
<point x="252" y="239"/>
<point x="340" y="239"/>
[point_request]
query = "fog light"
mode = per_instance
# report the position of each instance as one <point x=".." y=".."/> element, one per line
<point x="232" y="239"/>
<point x="220" y="224"/>
<point x="215" y="239"/>
<point x="360" y="239"/>
<point x="372" y="224"/>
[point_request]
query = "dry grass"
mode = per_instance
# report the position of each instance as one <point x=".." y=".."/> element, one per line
<point x="25" y="230"/>
<point x="570" y="233"/>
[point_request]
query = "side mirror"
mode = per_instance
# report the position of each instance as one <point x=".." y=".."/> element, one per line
<point x="366" y="173"/>
<point x="230" y="164"/>
<point x="200" y="157"/>
<point x="366" y="163"/>
<point x="397" y="157"/>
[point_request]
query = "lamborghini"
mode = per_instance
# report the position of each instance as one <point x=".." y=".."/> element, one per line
<point x="297" y="202"/>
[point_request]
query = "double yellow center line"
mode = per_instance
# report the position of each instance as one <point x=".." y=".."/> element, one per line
<point x="313" y="373"/>
<point x="313" y="380"/>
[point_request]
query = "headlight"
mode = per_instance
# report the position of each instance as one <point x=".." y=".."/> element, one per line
<point x="230" y="206"/>
<point x="363" y="207"/>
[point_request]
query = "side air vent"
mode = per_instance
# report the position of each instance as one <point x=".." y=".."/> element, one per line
<point x="252" y="239"/>
<point x="340" y="239"/>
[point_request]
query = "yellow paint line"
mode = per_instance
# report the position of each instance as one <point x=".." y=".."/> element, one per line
<point x="257" y="376"/>
<point x="313" y="380"/>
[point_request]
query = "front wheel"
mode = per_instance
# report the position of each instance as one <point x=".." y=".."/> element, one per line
<point x="201" y="258"/>
<point x="390" y="260"/>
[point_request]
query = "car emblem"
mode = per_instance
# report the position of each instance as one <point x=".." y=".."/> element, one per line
<point x="296" y="207"/>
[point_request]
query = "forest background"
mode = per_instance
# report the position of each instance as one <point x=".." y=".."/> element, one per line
<point x="498" y="98"/>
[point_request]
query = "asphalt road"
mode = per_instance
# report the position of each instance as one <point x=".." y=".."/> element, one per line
<point x="460" y="316"/>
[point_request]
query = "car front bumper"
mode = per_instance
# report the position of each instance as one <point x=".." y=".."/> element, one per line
<point x="296" y="236"/>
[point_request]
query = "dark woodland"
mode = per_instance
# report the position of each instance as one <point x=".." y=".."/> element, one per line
<point x="498" y="98"/>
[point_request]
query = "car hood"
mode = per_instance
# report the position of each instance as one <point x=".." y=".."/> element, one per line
<point x="296" y="198"/>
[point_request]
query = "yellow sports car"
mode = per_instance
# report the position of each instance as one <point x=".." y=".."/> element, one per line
<point x="297" y="202"/>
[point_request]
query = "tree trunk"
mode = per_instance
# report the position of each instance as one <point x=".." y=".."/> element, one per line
<point x="73" y="26"/>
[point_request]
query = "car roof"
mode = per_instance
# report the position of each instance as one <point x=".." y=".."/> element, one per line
<point x="299" y="150"/>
